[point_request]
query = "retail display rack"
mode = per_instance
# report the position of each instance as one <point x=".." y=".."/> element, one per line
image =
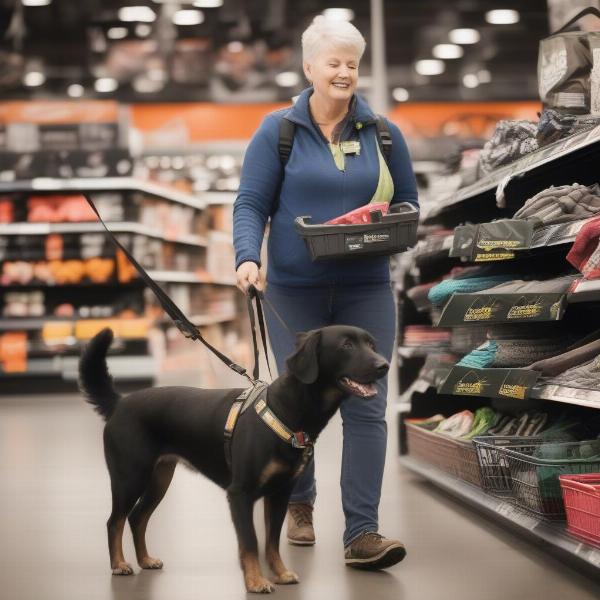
<point x="423" y="367"/>
<point x="62" y="280"/>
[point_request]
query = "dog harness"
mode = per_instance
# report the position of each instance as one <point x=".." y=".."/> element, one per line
<point x="257" y="396"/>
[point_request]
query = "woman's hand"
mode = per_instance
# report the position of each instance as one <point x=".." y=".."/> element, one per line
<point x="249" y="274"/>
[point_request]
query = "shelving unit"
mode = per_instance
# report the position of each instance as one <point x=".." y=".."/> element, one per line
<point x="564" y="162"/>
<point x="551" y="536"/>
<point x="204" y="290"/>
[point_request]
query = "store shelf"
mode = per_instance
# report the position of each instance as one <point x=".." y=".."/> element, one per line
<point x="544" y="158"/>
<point x="567" y="395"/>
<point x="104" y="184"/>
<point x="212" y="198"/>
<point x="585" y="291"/>
<point x="122" y="368"/>
<point x="551" y="536"/>
<point x="96" y="227"/>
<point x="187" y="277"/>
<point x="543" y="237"/>
<point x="421" y="351"/>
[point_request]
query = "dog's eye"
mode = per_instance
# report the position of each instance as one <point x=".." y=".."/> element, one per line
<point x="371" y="344"/>
<point x="347" y="345"/>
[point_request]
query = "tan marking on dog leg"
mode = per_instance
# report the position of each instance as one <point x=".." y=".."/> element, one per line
<point x="255" y="581"/>
<point x="273" y="467"/>
<point x="283" y="575"/>
<point x="118" y="564"/>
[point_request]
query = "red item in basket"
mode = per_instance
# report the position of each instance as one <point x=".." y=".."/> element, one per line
<point x="581" y="494"/>
<point x="360" y="215"/>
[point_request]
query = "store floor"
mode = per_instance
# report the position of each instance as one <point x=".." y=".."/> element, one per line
<point x="54" y="502"/>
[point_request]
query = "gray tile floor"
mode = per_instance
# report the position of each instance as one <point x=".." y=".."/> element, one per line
<point x="54" y="501"/>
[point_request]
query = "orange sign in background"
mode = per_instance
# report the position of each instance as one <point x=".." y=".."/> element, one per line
<point x="211" y="122"/>
<point x="42" y="112"/>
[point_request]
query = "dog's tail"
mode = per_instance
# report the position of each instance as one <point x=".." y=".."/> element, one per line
<point x="94" y="380"/>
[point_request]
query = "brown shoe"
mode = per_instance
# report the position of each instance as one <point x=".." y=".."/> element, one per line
<point x="300" y="530"/>
<point x="372" y="551"/>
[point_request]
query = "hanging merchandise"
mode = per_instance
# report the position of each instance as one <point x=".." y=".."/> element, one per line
<point x="566" y="65"/>
<point x="562" y="204"/>
<point x="554" y="125"/>
<point x="511" y="140"/>
<point x="585" y="252"/>
<point x="512" y="353"/>
<point x="551" y="367"/>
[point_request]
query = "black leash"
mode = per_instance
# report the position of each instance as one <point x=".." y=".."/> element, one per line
<point x="182" y="323"/>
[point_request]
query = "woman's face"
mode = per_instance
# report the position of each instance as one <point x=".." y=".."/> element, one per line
<point x="334" y="73"/>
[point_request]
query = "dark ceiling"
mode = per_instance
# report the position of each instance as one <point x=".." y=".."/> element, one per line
<point x="67" y="41"/>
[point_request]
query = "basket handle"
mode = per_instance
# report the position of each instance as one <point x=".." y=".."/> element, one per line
<point x="590" y="10"/>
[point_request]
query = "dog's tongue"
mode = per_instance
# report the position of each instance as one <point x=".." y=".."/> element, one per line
<point x="362" y="389"/>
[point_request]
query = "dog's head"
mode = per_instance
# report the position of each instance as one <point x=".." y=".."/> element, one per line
<point x="339" y="355"/>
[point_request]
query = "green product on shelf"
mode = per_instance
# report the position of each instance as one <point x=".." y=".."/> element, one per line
<point x="484" y="419"/>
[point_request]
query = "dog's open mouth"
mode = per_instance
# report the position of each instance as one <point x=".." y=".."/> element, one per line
<point x="365" y="390"/>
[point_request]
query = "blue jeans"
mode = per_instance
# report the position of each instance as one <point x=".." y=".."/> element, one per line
<point x="372" y="307"/>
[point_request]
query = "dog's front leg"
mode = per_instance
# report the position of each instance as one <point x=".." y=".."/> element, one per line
<point x="241" y="505"/>
<point x="275" y="509"/>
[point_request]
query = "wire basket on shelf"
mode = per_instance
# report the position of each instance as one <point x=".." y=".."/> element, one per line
<point x="493" y="465"/>
<point x="535" y="469"/>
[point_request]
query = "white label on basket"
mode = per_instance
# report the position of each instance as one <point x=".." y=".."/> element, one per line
<point x="594" y="558"/>
<point x="374" y="238"/>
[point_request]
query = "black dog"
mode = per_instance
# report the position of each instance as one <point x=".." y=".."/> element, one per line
<point x="148" y="431"/>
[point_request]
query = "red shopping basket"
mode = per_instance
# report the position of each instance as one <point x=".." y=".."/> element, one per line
<point x="581" y="494"/>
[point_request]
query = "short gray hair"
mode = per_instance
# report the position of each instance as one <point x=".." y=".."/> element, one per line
<point x="323" y="31"/>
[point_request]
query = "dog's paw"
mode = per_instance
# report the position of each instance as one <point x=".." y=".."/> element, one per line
<point x="151" y="563"/>
<point x="122" y="568"/>
<point x="287" y="578"/>
<point x="259" y="585"/>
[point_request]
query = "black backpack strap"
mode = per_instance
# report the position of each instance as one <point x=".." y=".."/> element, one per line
<point x="287" y="129"/>
<point x="385" y="137"/>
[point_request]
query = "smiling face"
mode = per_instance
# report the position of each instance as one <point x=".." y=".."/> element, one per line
<point x="334" y="73"/>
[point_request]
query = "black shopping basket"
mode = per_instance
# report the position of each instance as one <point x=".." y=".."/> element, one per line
<point x="388" y="234"/>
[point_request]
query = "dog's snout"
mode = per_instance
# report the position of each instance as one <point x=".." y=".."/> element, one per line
<point x="382" y="368"/>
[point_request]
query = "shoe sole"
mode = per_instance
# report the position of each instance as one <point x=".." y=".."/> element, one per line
<point x="389" y="557"/>
<point x="301" y="542"/>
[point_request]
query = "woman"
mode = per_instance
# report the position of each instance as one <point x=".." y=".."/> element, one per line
<point x="325" y="178"/>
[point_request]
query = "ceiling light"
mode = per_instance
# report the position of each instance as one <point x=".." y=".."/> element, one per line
<point x="287" y="79"/>
<point x="188" y="17"/>
<point x="339" y="14"/>
<point x="35" y="2"/>
<point x="470" y="80"/>
<point x="75" y="90"/>
<point x="34" y="79"/>
<point x="502" y="17"/>
<point x="156" y="74"/>
<point x="448" y="51"/>
<point x="464" y="36"/>
<point x="106" y="84"/>
<point x="117" y="33"/>
<point x="208" y="3"/>
<point x="484" y="76"/>
<point x="400" y="94"/>
<point x="235" y="47"/>
<point x="145" y="85"/>
<point x="430" y="67"/>
<point x="141" y="14"/>
<point x="143" y="30"/>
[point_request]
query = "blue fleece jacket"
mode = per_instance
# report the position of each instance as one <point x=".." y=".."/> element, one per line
<point x="312" y="185"/>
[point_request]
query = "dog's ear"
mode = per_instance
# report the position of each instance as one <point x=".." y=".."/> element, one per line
<point x="304" y="364"/>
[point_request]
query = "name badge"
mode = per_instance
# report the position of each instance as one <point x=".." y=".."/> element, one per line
<point x="351" y="147"/>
